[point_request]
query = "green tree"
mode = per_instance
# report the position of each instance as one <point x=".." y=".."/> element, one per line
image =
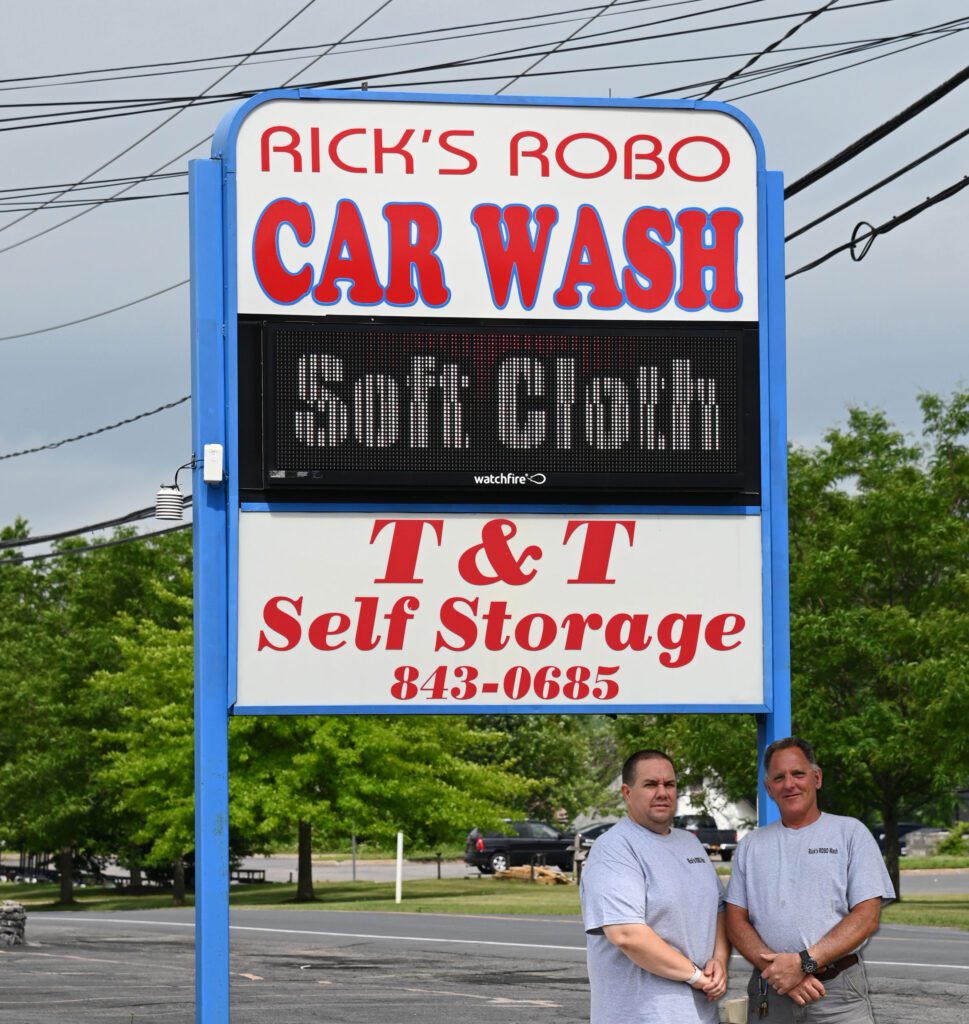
<point x="880" y="611"/>
<point x="61" y="628"/>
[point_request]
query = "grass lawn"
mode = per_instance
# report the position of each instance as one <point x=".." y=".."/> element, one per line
<point x="429" y="896"/>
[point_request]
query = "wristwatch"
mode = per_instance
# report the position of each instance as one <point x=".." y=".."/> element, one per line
<point x="808" y="964"/>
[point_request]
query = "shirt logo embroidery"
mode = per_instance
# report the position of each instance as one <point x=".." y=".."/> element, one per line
<point x="696" y="860"/>
<point x="822" y="849"/>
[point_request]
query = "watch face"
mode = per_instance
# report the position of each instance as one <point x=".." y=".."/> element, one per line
<point x="808" y="964"/>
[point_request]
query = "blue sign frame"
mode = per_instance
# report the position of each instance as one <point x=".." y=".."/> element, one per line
<point x="217" y="507"/>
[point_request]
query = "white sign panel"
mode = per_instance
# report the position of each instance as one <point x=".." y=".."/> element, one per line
<point x="432" y="612"/>
<point x="495" y="210"/>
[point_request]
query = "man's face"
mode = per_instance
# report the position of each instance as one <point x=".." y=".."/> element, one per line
<point x="651" y="799"/>
<point x="793" y="784"/>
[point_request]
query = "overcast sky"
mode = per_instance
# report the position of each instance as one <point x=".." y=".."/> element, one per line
<point x="873" y="333"/>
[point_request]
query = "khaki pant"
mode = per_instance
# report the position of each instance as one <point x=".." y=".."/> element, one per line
<point x="846" y="1002"/>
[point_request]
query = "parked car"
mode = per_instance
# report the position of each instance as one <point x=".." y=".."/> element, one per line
<point x="714" y="840"/>
<point x="496" y="851"/>
<point x="904" y="828"/>
<point x="590" y="833"/>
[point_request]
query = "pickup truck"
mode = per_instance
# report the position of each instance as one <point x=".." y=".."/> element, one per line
<point x="714" y="840"/>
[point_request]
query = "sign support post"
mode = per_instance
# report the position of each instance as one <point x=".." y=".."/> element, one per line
<point x="210" y="601"/>
<point x="776" y="723"/>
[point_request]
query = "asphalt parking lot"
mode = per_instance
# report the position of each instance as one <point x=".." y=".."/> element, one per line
<point x="294" y="966"/>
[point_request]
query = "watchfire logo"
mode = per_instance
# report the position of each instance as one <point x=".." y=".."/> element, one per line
<point x="511" y="478"/>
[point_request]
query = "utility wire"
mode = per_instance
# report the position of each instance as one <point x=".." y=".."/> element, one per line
<point x="876" y="134"/>
<point x="100" y="430"/>
<point x="47" y="538"/>
<point x="47" y="80"/>
<point x="96" y="547"/>
<point x="18" y="206"/>
<point x="148" y="135"/>
<point x="882" y="229"/>
<point x="94" y="316"/>
<point x="878" y="184"/>
<point x="531" y="67"/>
<point x="773" y="46"/>
<point x="938" y="36"/>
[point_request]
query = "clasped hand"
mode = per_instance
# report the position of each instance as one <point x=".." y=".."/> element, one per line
<point x="713" y="981"/>
<point x="783" y="973"/>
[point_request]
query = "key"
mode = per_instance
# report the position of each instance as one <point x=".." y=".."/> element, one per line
<point x="762" y="1009"/>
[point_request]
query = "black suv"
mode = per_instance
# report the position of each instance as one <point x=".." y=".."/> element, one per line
<point x="495" y="851"/>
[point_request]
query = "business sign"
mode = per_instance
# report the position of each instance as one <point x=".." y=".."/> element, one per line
<point x="485" y="300"/>
<point x="427" y="613"/>
<point x="495" y="210"/>
<point x="497" y="381"/>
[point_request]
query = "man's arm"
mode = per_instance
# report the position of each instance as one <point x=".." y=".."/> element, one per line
<point x="784" y="972"/>
<point x="745" y="939"/>
<point x="647" y="950"/>
<point x="715" y="969"/>
<point x="752" y="947"/>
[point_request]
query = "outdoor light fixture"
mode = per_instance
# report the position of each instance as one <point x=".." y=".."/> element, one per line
<point x="169" y="500"/>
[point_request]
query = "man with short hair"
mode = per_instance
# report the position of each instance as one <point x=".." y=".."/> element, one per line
<point x="652" y="906"/>
<point x="804" y="896"/>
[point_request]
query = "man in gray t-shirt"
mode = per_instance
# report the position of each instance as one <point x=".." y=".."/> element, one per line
<point x="651" y="904"/>
<point x="804" y="896"/>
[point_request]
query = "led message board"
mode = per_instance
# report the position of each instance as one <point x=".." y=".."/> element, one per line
<point x="522" y="411"/>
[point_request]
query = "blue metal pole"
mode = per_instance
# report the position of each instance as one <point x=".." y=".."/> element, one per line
<point x="211" y="601"/>
<point x="776" y="723"/>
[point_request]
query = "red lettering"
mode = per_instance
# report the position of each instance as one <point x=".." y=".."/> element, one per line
<point x="415" y="232"/>
<point x="364" y="639"/>
<point x="397" y="619"/>
<point x="399" y="148"/>
<point x="627" y="632"/>
<point x="471" y="160"/>
<point x="315" y="150"/>
<point x="357" y="267"/>
<point x="405" y="542"/>
<point x="719" y="146"/>
<point x="630" y="156"/>
<point x="326" y="625"/>
<point x="575" y="626"/>
<point x="267" y="146"/>
<point x="496" y="616"/>
<point x="277" y="282"/>
<point x="717" y="630"/>
<point x="286" y="625"/>
<point x="538" y="152"/>
<point x="682" y="640"/>
<point x="589" y="262"/>
<point x="334" y="154"/>
<point x="597" y="546"/>
<point x="509" y="251"/>
<point x="697" y="257"/>
<point x="460" y="624"/>
<point x="649" y="259"/>
<point x="611" y="155"/>
<point x="547" y="631"/>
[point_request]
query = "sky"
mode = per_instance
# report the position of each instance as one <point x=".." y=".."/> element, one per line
<point x="873" y="333"/>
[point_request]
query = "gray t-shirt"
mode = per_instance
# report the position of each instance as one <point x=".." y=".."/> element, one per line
<point x="634" y="876"/>
<point x="798" y="883"/>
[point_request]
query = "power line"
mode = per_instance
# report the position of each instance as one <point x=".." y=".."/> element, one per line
<point x="47" y="80"/>
<point x="941" y="35"/>
<point x="130" y="517"/>
<point x="99" y="430"/>
<point x="94" y="316"/>
<point x="96" y="547"/>
<point x="572" y="35"/>
<point x="147" y="135"/>
<point x="876" y="134"/>
<point x="62" y="204"/>
<point x="882" y="229"/>
<point x="773" y="46"/>
<point x="878" y="184"/>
